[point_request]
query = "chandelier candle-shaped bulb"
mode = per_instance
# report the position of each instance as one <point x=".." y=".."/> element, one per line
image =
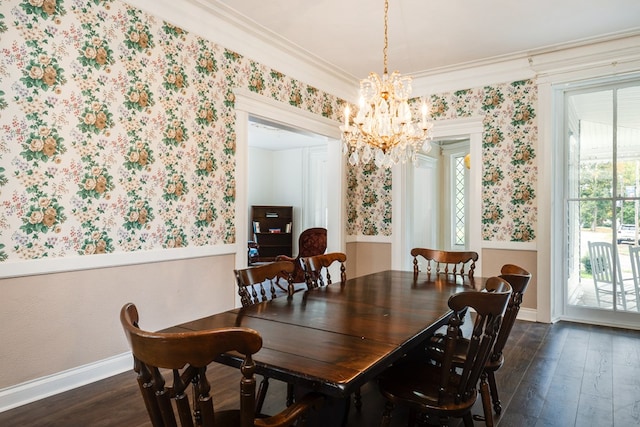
<point x="425" y="107"/>
<point x="346" y="118"/>
<point x="359" y="119"/>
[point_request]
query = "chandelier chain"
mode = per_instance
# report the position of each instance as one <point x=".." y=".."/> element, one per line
<point x="386" y="36"/>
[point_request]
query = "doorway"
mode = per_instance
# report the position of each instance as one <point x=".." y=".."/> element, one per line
<point x="467" y="132"/>
<point x="438" y="187"/>
<point x="251" y="105"/>
<point x="287" y="167"/>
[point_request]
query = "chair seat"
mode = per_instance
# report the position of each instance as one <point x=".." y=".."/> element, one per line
<point x="417" y="384"/>
<point x="229" y="418"/>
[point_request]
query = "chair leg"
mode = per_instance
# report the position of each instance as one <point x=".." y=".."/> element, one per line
<point x="497" y="406"/>
<point x="468" y="420"/>
<point x="386" y="415"/>
<point x="486" y="400"/>
<point x="290" y="395"/>
<point x="262" y="393"/>
<point x="413" y="416"/>
<point x="357" y="400"/>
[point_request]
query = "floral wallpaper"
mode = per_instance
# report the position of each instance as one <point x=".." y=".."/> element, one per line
<point x="118" y="130"/>
<point x="509" y="167"/>
<point x="509" y="171"/>
<point x="368" y="200"/>
<point x="118" y="135"/>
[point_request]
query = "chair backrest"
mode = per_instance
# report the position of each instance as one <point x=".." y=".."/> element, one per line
<point x="489" y="307"/>
<point x="317" y="266"/>
<point x="251" y="281"/>
<point x="187" y="355"/>
<point x="518" y="278"/>
<point x="634" y="254"/>
<point x="312" y="241"/>
<point x="513" y="269"/>
<point x="601" y="257"/>
<point x="447" y="262"/>
<point x="605" y="277"/>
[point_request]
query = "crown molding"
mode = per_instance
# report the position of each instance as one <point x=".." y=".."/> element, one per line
<point x="215" y="21"/>
<point x="473" y="74"/>
<point x="600" y="58"/>
<point x="602" y="50"/>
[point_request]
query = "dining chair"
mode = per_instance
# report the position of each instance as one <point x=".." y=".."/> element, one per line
<point x="518" y="278"/>
<point x="448" y="262"/>
<point x="606" y="278"/>
<point x="445" y="389"/>
<point x="251" y="288"/>
<point x="312" y="241"/>
<point x="169" y="364"/>
<point x="317" y="272"/>
<point x="252" y="280"/>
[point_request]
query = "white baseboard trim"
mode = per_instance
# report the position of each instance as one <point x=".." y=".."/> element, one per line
<point x="30" y="391"/>
<point x="528" y="314"/>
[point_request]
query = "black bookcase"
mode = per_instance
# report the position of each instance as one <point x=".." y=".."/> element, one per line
<point x="271" y="227"/>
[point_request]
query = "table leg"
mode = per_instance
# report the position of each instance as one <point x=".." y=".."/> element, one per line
<point x="333" y="412"/>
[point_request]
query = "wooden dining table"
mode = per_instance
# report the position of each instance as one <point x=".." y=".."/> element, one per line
<point x="336" y="338"/>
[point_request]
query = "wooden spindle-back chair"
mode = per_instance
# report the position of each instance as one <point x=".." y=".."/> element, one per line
<point x="169" y="364"/>
<point x="446" y="389"/>
<point x="317" y="269"/>
<point x="445" y="262"/>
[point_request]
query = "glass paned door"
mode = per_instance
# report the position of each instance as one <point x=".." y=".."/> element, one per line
<point x="602" y="197"/>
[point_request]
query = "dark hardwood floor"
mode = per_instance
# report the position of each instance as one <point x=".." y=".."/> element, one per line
<point x="563" y="374"/>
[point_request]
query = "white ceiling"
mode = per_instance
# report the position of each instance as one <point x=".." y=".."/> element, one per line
<point x="428" y="35"/>
<point x="424" y="36"/>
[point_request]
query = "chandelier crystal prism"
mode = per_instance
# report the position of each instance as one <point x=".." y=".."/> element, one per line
<point x="383" y="128"/>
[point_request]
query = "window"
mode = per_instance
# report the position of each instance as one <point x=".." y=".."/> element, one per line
<point x="456" y="199"/>
<point x="602" y="195"/>
<point x="459" y="202"/>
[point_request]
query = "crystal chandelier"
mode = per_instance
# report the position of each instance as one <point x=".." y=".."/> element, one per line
<point x="383" y="129"/>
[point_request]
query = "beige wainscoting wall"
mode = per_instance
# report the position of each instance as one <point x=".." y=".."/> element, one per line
<point x="366" y="257"/>
<point x="493" y="260"/>
<point x="56" y="322"/>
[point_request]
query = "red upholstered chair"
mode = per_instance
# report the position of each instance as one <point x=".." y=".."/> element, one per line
<point x="312" y="241"/>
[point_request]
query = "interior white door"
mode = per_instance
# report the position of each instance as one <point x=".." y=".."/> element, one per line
<point x="424" y="217"/>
